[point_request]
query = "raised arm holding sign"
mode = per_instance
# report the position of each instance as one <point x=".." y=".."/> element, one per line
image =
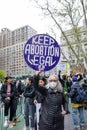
<point x="42" y="52"/>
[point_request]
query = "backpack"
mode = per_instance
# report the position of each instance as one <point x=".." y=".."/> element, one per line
<point x="80" y="95"/>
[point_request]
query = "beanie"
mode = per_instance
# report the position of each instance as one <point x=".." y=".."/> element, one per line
<point x="74" y="79"/>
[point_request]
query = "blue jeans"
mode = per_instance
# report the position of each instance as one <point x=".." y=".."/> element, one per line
<point x="29" y="110"/>
<point x="78" y="119"/>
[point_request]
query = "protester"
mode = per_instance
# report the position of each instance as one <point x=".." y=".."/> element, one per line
<point x="79" y="76"/>
<point x="83" y="83"/>
<point x="77" y="107"/>
<point x="38" y="99"/>
<point x="29" y="107"/>
<point x="19" y="90"/>
<point x="8" y="93"/>
<point x="63" y="80"/>
<point x="52" y="115"/>
<point x="68" y="83"/>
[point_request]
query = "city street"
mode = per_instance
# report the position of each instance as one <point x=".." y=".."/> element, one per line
<point x="19" y="126"/>
<point x="68" y="123"/>
<point x="43" y="64"/>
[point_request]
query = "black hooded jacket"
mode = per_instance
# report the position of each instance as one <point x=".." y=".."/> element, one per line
<point x="29" y="93"/>
<point x="4" y="92"/>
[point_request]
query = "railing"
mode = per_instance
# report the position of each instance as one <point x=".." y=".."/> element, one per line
<point x="1" y="115"/>
<point x="19" y="112"/>
<point x="20" y="107"/>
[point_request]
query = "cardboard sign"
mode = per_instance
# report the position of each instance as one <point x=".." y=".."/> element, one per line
<point x="78" y="69"/>
<point x="42" y="52"/>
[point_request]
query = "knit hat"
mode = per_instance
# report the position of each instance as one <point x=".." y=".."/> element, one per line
<point x="74" y="79"/>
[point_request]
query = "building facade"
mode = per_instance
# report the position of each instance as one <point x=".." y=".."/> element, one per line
<point x="82" y="44"/>
<point x="11" y="50"/>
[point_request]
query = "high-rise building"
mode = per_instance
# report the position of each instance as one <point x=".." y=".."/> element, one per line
<point x="11" y="50"/>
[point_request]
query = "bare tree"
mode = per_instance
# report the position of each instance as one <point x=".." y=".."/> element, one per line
<point x="67" y="13"/>
<point x="73" y="13"/>
<point x="84" y="10"/>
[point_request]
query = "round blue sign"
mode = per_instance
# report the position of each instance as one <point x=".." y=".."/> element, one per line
<point x="42" y="52"/>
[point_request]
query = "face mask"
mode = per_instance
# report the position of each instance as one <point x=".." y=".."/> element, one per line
<point x="52" y="85"/>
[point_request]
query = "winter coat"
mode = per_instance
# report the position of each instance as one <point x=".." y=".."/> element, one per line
<point x="29" y="93"/>
<point x="4" y="93"/>
<point x="39" y="97"/>
<point x="65" y="87"/>
<point x="73" y="91"/>
<point x="69" y="84"/>
<point x="20" y="88"/>
<point x="51" y="117"/>
<point x="72" y="95"/>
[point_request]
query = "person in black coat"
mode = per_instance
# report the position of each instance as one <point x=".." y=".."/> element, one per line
<point x="8" y="93"/>
<point x="29" y="107"/>
<point x="52" y="115"/>
<point x="19" y="87"/>
<point x="38" y="99"/>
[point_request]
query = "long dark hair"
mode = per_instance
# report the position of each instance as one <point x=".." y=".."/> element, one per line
<point x="43" y="79"/>
<point x="8" y="77"/>
<point x="30" y="79"/>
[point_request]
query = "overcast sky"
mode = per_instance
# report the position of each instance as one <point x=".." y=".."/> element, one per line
<point x="17" y="13"/>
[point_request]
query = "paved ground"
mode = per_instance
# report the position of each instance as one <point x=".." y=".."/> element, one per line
<point x="68" y="123"/>
<point x="19" y="126"/>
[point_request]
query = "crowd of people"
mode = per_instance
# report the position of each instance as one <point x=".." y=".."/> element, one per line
<point x="46" y="101"/>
